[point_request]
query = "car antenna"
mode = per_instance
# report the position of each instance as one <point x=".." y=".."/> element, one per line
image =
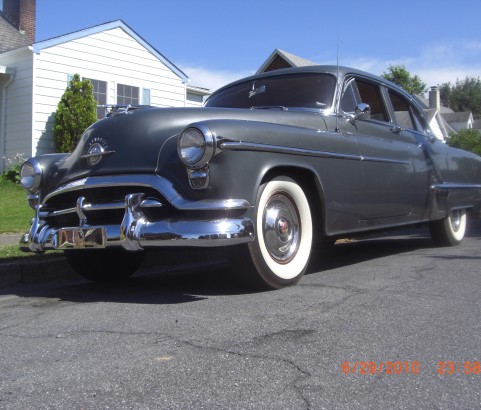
<point x="338" y="85"/>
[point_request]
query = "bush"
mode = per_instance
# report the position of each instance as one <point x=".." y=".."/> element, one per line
<point x="467" y="139"/>
<point x="76" y="111"/>
<point x="13" y="164"/>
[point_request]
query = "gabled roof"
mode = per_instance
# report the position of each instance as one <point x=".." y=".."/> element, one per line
<point x="39" y="46"/>
<point x="463" y="116"/>
<point x="291" y="60"/>
<point x="10" y="37"/>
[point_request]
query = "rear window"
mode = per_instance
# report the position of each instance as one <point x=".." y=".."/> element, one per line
<point x="291" y="90"/>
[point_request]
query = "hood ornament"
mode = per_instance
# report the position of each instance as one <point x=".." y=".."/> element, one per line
<point x="96" y="151"/>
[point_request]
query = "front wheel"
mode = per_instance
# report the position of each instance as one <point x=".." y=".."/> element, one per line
<point x="450" y="230"/>
<point x="104" y="265"/>
<point x="280" y="253"/>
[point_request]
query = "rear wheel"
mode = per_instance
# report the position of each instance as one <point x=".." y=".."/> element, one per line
<point x="104" y="265"/>
<point x="280" y="253"/>
<point x="450" y="230"/>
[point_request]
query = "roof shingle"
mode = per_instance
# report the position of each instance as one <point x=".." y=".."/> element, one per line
<point x="11" y="38"/>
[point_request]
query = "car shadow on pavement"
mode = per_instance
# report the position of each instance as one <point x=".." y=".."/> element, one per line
<point x="351" y="252"/>
<point x="197" y="274"/>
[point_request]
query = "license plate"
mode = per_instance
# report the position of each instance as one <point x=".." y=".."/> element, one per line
<point x="78" y="238"/>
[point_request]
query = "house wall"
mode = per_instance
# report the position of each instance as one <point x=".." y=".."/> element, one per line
<point x="436" y="129"/>
<point x="194" y="100"/>
<point x="112" y="56"/>
<point x="16" y="104"/>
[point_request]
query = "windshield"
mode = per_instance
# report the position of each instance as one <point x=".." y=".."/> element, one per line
<point x="291" y="90"/>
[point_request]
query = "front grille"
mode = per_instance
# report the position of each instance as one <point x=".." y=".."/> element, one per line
<point x="102" y="206"/>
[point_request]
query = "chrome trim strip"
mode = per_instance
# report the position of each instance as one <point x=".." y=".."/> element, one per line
<point x="97" y="154"/>
<point x="160" y="184"/>
<point x="385" y="160"/>
<point x="210" y="204"/>
<point x="91" y="207"/>
<point x="278" y="149"/>
<point x="455" y="185"/>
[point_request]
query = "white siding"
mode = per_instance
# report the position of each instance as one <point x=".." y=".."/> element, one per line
<point x="194" y="99"/>
<point x="112" y="56"/>
<point x="17" y="114"/>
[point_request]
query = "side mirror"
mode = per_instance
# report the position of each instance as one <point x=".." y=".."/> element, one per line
<point x="362" y="112"/>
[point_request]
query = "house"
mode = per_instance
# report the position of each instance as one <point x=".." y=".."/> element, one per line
<point x="122" y="66"/>
<point x="281" y="59"/>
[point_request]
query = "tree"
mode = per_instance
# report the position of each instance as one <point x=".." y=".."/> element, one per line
<point x="400" y="76"/>
<point x="76" y="111"/>
<point x="465" y="95"/>
<point x="467" y="139"/>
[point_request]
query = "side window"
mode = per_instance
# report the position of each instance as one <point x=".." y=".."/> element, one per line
<point x="405" y="114"/>
<point x="127" y="95"/>
<point x="420" y="121"/>
<point x="100" y="94"/>
<point x="371" y="94"/>
<point x="350" y="98"/>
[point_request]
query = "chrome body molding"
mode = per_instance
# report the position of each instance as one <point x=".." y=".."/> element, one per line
<point x="279" y="149"/>
<point x="455" y="185"/>
<point x="136" y="232"/>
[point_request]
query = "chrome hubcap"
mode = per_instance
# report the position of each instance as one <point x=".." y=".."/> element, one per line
<point x="455" y="220"/>
<point x="281" y="228"/>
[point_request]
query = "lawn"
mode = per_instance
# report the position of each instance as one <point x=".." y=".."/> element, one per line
<point x="15" y="214"/>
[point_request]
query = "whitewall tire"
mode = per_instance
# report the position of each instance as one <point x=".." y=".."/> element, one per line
<point x="280" y="253"/>
<point x="449" y="231"/>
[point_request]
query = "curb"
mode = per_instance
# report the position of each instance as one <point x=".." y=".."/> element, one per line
<point x="34" y="270"/>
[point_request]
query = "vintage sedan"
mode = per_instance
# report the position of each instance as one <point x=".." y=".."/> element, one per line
<point x="273" y="167"/>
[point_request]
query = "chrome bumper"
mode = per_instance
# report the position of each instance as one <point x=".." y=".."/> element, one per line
<point x="136" y="232"/>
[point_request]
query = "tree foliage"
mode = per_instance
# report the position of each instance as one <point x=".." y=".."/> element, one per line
<point x="76" y="111"/>
<point x="465" y="95"/>
<point x="400" y="76"/>
<point x="467" y="139"/>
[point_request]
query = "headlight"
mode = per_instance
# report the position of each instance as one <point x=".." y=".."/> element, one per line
<point x="31" y="175"/>
<point x="196" y="146"/>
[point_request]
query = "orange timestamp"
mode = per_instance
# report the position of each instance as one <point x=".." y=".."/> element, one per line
<point x="381" y="367"/>
<point x="408" y="367"/>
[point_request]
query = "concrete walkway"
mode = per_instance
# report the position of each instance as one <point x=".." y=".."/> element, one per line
<point x="9" y="238"/>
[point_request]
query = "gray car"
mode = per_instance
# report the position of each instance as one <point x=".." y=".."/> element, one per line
<point x="273" y="167"/>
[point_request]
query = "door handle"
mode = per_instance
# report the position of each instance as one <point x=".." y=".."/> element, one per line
<point x="396" y="129"/>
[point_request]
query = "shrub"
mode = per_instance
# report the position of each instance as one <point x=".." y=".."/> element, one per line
<point x="76" y="111"/>
<point x="467" y="139"/>
<point x="13" y="164"/>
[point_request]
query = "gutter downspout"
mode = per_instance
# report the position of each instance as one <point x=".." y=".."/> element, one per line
<point x="3" y="117"/>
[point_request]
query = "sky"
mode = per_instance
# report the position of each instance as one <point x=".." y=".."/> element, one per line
<point x="218" y="41"/>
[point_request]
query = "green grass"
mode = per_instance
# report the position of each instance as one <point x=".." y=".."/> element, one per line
<point x="13" y="252"/>
<point x="15" y="214"/>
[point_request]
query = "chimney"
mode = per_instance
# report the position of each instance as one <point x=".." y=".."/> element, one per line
<point x="434" y="98"/>
<point x="27" y="18"/>
<point x="21" y="14"/>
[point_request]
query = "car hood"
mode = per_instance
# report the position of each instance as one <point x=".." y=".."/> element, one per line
<point x="144" y="141"/>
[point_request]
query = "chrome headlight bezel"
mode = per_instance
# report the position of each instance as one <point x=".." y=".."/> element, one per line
<point x="31" y="175"/>
<point x="196" y="146"/>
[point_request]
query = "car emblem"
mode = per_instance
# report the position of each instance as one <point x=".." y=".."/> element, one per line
<point x="96" y="151"/>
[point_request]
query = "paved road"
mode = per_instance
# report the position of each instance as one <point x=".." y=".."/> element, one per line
<point x="198" y="340"/>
